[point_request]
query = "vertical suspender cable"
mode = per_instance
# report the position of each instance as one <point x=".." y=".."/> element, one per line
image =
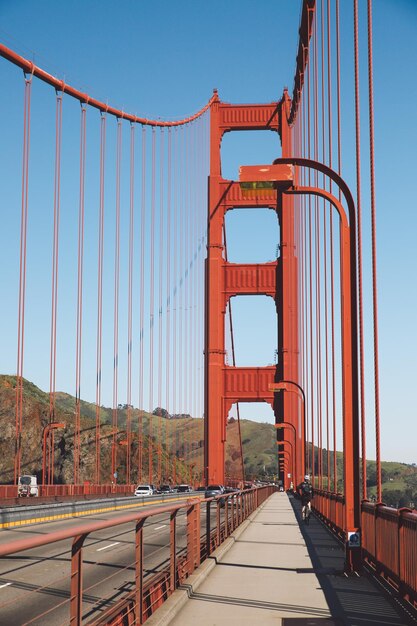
<point x="151" y="307"/>
<point x="196" y="163"/>
<point x="310" y="298"/>
<point x="339" y="169"/>
<point x="175" y="306"/>
<point x="78" y="359"/>
<point x="169" y="448"/>
<point x="329" y="111"/>
<point x="116" y="309"/>
<point x="325" y="238"/>
<point x="359" y="247"/>
<point x="100" y="294"/>
<point x="161" y="276"/>
<point x="130" y="304"/>
<point x="54" y="287"/>
<point x="234" y="365"/>
<point x="181" y="290"/>
<point x="142" y="309"/>
<point x="374" y="258"/>
<point x="317" y="262"/>
<point x="305" y="383"/>
<point x="185" y="336"/>
<point x="22" y="279"/>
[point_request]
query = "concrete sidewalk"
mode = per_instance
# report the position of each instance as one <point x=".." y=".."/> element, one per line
<point x="278" y="572"/>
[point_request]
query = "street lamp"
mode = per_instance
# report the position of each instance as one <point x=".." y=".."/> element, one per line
<point x="284" y="464"/>
<point x="293" y="387"/>
<point x="293" y="459"/>
<point x="349" y="356"/>
<point x="289" y="425"/>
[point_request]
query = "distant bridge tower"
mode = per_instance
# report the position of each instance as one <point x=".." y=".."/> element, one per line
<point x="225" y="385"/>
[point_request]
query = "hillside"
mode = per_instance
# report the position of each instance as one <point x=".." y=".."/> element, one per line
<point x="181" y="434"/>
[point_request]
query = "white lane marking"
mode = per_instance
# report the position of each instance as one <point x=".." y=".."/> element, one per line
<point x="159" y="527"/>
<point x="5" y="585"/>
<point x="109" y="546"/>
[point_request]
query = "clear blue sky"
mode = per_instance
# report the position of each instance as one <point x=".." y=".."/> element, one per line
<point x="163" y="58"/>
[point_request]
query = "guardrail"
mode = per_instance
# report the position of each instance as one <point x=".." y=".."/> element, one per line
<point x="38" y="510"/>
<point x="389" y="539"/>
<point x="231" y="510"/>
<point x="331" y="508"/>
<point x="390" y="546"/>
<point x="10" y="491"/>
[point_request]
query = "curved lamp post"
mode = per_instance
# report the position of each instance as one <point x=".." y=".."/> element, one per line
<point x="292" y="454"/>
<point x="293" y="387"/>
<point x="285" y="458"/>
<point x="282" y="179"/>
<point x="289" y="425"/>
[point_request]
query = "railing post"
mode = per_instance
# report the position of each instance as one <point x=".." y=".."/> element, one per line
<point x="208" y="529"/>
<point x="193" y="536"/>
<point x="226" y="506"/>
<point x="139" y="572"/>
<point x="173" y="551"/>
<point x="197" y="534"/>
<point x="76" y="600"/>
<point x="218" y="523"/>
<point x="401" y="586"/>
<point x="376" y="535"/>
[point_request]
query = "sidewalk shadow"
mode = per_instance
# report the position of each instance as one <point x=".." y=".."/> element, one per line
<point x="353" y="600"/>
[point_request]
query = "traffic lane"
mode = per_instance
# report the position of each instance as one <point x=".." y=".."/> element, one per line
<point x="108" y="565"/>
<point x="19" y="532"/>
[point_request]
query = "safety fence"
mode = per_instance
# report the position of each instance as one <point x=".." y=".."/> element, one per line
<point x="388" y="537"/>
<point x="389" y="542"/>
<point x="223" y="514"/>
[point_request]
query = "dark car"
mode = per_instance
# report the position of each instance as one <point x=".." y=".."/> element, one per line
<point x="165" y="489"/>
<point x="213" y="490"/>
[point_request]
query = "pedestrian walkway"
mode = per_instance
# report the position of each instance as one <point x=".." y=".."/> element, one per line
<point x="282" y="572"/>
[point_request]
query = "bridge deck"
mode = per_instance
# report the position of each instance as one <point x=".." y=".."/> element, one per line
<point x="280" y="572"/>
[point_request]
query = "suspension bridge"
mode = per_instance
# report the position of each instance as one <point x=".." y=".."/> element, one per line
<point x="120" y="274"/>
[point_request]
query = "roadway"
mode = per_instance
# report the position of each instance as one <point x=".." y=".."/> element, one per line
<point x="35" y="584"/>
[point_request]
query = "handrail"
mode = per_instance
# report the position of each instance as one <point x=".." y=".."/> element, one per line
<point x="389" y="539"/>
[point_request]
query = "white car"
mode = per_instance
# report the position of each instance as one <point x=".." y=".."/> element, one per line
<point x="184" y="489"/>
<point x="144" y="490"/>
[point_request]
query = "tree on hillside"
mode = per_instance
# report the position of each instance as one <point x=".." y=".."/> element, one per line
<point x="160" y="412"/>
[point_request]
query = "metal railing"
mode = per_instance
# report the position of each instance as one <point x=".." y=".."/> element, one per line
<point x="230" y="511"/>
<point x="389" y="539"/>
<point x="10" y="491"/>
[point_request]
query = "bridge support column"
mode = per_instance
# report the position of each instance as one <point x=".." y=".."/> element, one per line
<point x="225" y="385"/>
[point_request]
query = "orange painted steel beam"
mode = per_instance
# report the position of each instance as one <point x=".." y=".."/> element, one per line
<point x="224" y="385"/>
<point x="287" y="406"/>
<point x="250" y="279"/>
<point x="231" y="197"/>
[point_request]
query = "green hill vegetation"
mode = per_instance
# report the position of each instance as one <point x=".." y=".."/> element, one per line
<point x="177" y="442"/>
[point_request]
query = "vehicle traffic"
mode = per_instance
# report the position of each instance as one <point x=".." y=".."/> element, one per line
<point x="213" y="490"/>
<point x="144" y="490"/>
<point x="27" y="487"/>
<point x="184" y="489"/>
